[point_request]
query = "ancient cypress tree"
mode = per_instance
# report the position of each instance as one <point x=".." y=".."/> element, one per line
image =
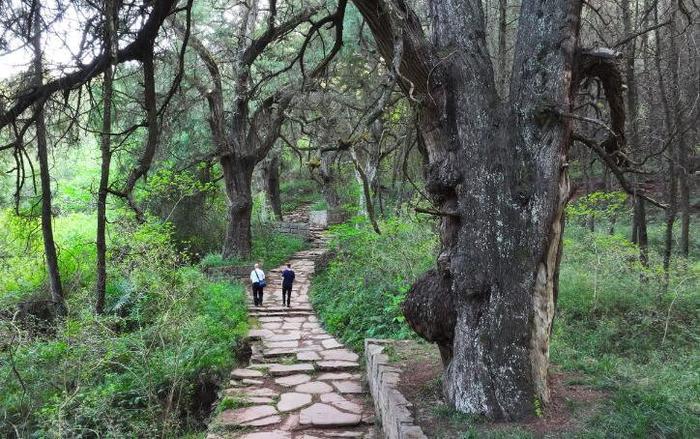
<point x="497" y="174"/>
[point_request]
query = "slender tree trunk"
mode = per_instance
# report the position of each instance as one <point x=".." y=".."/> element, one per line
<point x="639" y="223"/>
<point x="671" y="211"/>
<point x="681" y="156"/>
<point x="366" y="202"/>
<point x="42" y="152"/>
<point x="272" y="185"/>
<point x="640" y="231"/>
<point x="106" y="156"/>
<point x="238" y="177"/>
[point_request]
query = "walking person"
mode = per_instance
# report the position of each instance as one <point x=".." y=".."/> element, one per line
<point x="257" y="278"/>
<point x="287" y="282"/>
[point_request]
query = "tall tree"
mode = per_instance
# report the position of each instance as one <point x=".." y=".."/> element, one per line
<point x="245" y="138"/>
<point x="497" y="175"/>
<point x="110" y="45"/>
<point x="45" y="175"/>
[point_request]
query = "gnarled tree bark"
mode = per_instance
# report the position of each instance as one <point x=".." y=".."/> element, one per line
<point x="497" y="169"/>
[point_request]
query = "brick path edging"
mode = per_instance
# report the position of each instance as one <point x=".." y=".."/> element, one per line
<point x="391" y="407"/>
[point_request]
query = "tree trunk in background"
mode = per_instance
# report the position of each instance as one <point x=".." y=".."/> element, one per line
<point x="106" y="156"/>
<point x="639" y="223"/>
<point x="639" y="231"/>
<point x="238" y="177"/>
<point x="681" y="157"/>
<point x="366" y="202"/>
<point x="328" y="181"/>
<point x="497" y="175"/>
<point x="671" y="157"/>
<point x="42" y="152"/>
<point x="272" y="184"/>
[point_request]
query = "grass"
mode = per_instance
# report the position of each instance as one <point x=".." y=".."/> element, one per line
<point x="359" y="294"/>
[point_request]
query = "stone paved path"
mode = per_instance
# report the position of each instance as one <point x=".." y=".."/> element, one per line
<point x="301" y="382"/>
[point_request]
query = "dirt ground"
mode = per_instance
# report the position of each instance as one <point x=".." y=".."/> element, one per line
<point x="421" y="380"/>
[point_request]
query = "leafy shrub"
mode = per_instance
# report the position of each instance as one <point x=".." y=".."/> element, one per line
<point x="138" y="371"/>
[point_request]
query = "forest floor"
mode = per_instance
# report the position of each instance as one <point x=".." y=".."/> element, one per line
<point x="421" y="383"/>
<point x="301" y="382"/>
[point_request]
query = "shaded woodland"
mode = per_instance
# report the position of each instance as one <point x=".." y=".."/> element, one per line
<point x="142" y="143"/>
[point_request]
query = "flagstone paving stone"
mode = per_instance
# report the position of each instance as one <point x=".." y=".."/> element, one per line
<point x="302" y="382"/>
<point x="293" y="380"/>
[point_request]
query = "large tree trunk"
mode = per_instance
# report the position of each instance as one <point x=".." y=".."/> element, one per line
<point x="497" y="174"/>
<point x="42" y="152"/>
<point x="238" y="177"/>
<point x="106" y="156"/>
<point x="328" y="181"/>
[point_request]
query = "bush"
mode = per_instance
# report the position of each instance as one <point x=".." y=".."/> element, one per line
<point x="140" y="370"/>
<point x="360" y="292"/>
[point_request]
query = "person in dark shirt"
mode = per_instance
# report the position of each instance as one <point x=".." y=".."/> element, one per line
<point x="287" y="282"/>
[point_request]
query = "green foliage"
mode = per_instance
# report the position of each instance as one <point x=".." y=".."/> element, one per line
<point x="270" y="248"/>
<point x="298" y="192"/>
<point x="134" y="372"/>
<point x="360" y="292"/>
<point x="616" y="324"/>
<point x="597" y="205"/>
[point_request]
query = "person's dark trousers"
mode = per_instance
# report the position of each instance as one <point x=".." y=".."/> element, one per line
<point x="286" y="295"/>
<point x="257" y="294"/>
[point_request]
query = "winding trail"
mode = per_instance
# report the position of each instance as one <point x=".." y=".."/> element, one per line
<point x="301" y="383"/>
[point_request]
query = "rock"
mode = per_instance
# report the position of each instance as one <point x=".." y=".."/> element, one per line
<point x="233" y="417"/>
<point x="259" y="400"/>
<point x="331" y="343"/>
<point x="259" y="391"/>
<point x="341" y="403"/>
<point x="264" y="422"/>
<point x="335" y="365"/>
<point x="290" y="369"/>
<point x="340" y="354"/>
<point x="315" y="387"/>
<point x="335" y="376"/>
<point x="282" y="344"/>
<point x="277" y="434"/>
<point x="292" y="401"/>
<point x="348" y="386"/>
<point x="291" y="423"/>
<point x="246" y="373"/>
<point x="324" y="415"/>
<point x="292" y="335"/>
<point x="257" y="334"/>
<point x="293" y="380"/>
<point x="308" y="356"/>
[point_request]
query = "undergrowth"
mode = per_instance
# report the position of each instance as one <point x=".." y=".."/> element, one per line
<point x="148" y="367"/>
<point x="616" y="324"/>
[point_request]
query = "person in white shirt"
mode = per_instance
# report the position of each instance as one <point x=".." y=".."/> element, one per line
<point x="257" y="278"/>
